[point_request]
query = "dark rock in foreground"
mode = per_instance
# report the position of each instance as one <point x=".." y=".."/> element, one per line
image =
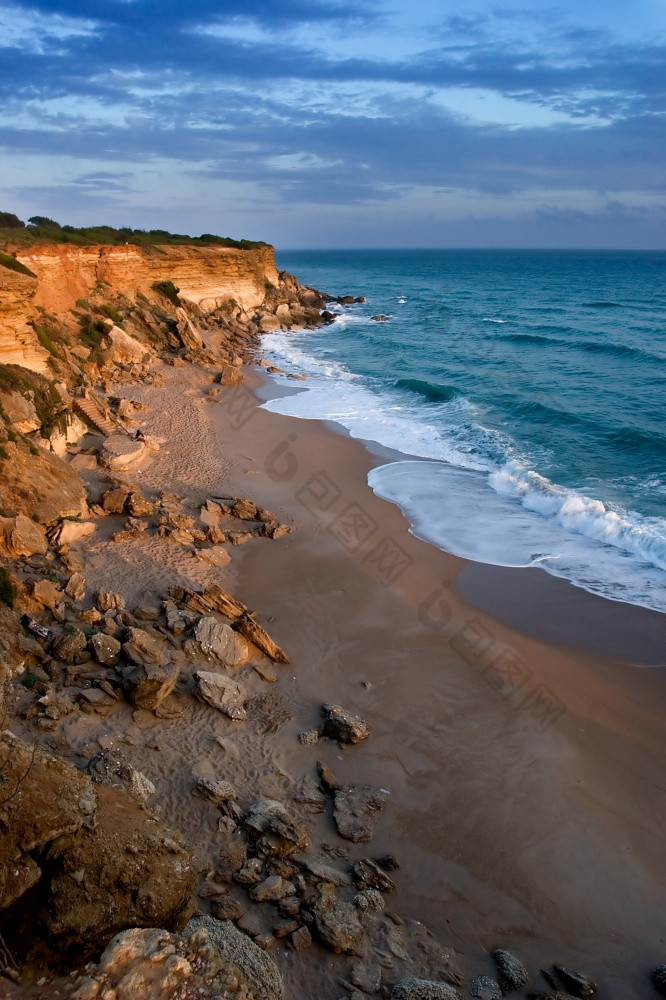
<point x="511" y="972"/>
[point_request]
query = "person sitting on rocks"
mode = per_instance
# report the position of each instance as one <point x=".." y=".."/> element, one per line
<point x="139" y="436"/>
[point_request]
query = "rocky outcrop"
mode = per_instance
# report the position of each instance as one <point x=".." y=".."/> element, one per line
<point x="40" y="485"/>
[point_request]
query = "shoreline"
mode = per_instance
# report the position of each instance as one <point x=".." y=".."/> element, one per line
<point x="520" y="778"/>
<point x="599" y="715"/>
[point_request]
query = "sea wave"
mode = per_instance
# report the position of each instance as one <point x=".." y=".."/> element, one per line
<point x="433" y="392"/>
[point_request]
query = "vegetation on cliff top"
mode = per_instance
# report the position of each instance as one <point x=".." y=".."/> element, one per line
<point x="41" y="229"/>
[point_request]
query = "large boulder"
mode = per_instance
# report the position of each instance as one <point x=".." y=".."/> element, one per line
<point x="124" y="348"/>
<point x="121" y="452"/>
<point x="20" y="536"/>
<point x="147" y="685"/>
<point x="260" y="972"/>
<point x="41" y="485"/>
<point x="220" y="642"/>
<point x="20" y="411"/>
<point x="44" y="799"/>
<point x="71" y="532"/>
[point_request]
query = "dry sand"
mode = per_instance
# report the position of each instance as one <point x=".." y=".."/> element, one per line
<point x="524" y="778"/>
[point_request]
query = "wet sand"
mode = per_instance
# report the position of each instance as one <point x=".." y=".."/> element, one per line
<point x="526" y="778"/>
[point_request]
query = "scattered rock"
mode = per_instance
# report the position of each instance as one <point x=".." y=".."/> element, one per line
<point x="141" y="646"/>
<point x="485" y="988"/>
<point x="214" y="556"/>
<point x="215" y="791"/>
<point x="46" y="593"/>
<point x="337" y="922"/>
<point x="76" y="587"/>
<point x="309" y="738"/>
<point x="366" y="874"/>
<point x="105" y="648"/>
<point x="221" y="692"/>
<point x="113" y="501"/>
<point x="342" y="725"/>
<point x="272" y="888"/>
<point x="423" y="989"/>
<point x="322" y="871"/>
<point x="137" y="505"/>
<point x="149" y="684"/>
<point x="107" y="601"/>
<point x="109" y="767"/>
<point x="511" y="972"/>
<point x="354" y="812"/>
<point x="576" y="983"/>
<point x="327" y="779"/>
<point x="380" y="318"/>
<point x="301" y="939"/>
<point x="71" y="532"/>
<point x="369" y="899"/>
<point x="70" y="648"/>
<point x="221" y="642"/>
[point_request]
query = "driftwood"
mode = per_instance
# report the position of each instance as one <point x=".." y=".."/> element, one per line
<point x="214" y="599"/>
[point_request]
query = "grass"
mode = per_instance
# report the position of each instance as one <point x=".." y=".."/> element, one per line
<point x="41" y="229"/>
<point x="44" y="338"/>
<point x="167" y="290"/>
<point x="12" y="264"/>
<point x="40" y="390"/>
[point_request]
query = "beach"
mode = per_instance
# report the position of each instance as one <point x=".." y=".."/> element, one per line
<point x="522" y="778"/>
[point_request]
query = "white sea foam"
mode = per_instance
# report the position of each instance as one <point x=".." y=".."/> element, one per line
<point x="470" y="498"/>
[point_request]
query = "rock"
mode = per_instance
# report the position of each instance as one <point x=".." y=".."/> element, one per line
<point x="511" y="972"/>
<point x="143" y="647"/>
<point x="251" y="873"/>
<point x="20" y="536"/>
<point x="232" y="857"/>
<point x="367" y="976"/>
<point x="147" y="685"/>
<point x="114" y="500"/>
<point x="124" y="348"/>
<point x="485" y="988"/>
<point x="177" y="620"/>
<point x="76" y="587"/>
<point x="380" y="318"/>
<point x="50" y="799"/>
<point x="327" y="779"/>
<point x="99" y="887"/>
<point x="354" y="812"/>
<point x="342" y="725"/>
<point x="40" y="486"/>
<point x="301" y="939"/>
<point x="337" y="923"/>
<point x="46" y="593"/>
<point x="221" y="692"/>
<point x="70" y="648"/>
<point x="280" y="833"/>
<point x="659" y="979"/>
<point x="309" y="738"/>
<point x="71" y="532"/>
<point x="368" y="875"/>
<point x="244" y="509"/>
<point x="20" y="411"/>
<point x="423" y="989"/>
<point x="214" y="556"/>
<point x="220" y="642"/>
<point x="272" y="888"/>
<point x="576" y="983"/>
<point x="275" y="531"/>
<point x="369" y="899"/>
<point x="138" y="506"/>
<point x="322" y="871"/>
<point x="227" y="908"/>
<point x="261" y="974"/>
<point x="105" y="648"/>
<point x="121" y="452"/>
<point x="109" y="767"/>
<point x="215" y="791"/>
<point x="107" y="601"/>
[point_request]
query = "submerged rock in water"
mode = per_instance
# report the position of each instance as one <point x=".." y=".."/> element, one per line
<point x="343" y="725"/>
<point x="511" y="972"/>
<point x="354" y="812"/>
<point x="576" y="983"/>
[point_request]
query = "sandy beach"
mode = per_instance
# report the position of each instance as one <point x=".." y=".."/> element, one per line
<point x="522" y="778"/>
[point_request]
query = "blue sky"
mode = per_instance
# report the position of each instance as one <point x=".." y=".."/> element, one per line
<point x="315" y="123"/>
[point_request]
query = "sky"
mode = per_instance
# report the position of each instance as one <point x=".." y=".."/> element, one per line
<point x="326" y="123"/>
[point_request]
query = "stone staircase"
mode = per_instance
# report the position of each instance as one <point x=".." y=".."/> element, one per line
<point x="96" y="415"/>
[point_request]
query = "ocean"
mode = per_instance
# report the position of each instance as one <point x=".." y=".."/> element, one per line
<point x="525" y="390"/>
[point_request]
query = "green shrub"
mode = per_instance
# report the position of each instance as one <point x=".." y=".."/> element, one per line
<point x="4" y="454"/>
<point x="44" y="338"/>
<point x="92" y="331"/>
<point x="28" y="679"/>
<point x="10" y="221"/>
<point x="110" y="313"/>
<point x="168" y="290"/>
<point x="11" y="436"/>
<point x="15" y="265"/>
<point x="8" y="591"/>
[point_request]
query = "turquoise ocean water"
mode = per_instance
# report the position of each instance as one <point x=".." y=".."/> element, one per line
<point x="525" y="390"/>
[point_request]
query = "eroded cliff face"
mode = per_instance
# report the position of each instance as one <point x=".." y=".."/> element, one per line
<point x="18" y="343"/>
<point x="207" y="276"/>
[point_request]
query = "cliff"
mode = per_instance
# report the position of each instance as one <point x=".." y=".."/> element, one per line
<point x="206" y="276"/>
<point x="18" y="343"/>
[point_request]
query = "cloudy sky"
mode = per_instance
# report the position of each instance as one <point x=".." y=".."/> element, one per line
<point x="317" y="123"/>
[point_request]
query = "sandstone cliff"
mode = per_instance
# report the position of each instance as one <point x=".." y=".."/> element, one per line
<point x="207" y="276"/>
<point x="18" y="343"/>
